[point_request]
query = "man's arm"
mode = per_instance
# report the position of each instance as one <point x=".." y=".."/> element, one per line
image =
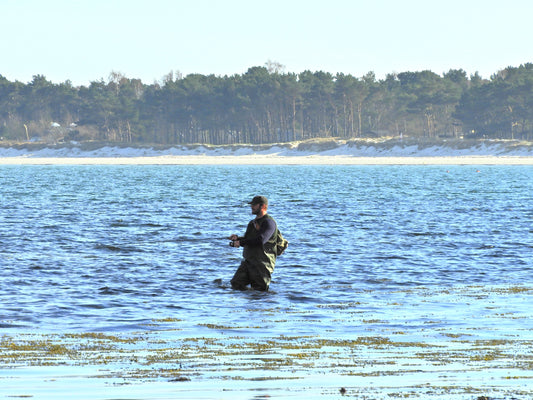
<point x="236" y="239"/>
<point x="266" y="230"/>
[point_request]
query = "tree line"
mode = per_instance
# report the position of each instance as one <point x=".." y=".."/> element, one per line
<point x="267" y="105"/>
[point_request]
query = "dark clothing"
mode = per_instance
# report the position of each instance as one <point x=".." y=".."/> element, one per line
<point x="251" y="274"/>
<point x="259" y="254"/>
<point x="255" y="237"/>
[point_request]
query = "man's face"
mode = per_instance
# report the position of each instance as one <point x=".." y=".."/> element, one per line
<point x="256" y="208"/>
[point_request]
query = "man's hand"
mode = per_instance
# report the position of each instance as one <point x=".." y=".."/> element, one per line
<point x="233" y="238"/>
<point x="235" y="243"/>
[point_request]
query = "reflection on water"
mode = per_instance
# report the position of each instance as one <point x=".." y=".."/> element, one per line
<point x="434" y="263"/>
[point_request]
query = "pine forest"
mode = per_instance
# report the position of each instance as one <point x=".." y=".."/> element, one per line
<point x="267" y="105"/>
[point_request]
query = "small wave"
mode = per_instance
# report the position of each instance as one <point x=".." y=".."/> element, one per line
<point x="303" y="298"/>
<point x="154" y="225"/>
<point x="116" y="291"/>
<point x="108" y="290"/>
<point x="118" y="249"/>
<point x="95" y="306"/>
<point x="174" y="307"/>
<point x="421" y="234"/>
<point x="123" y="224"/>
<point x="191" y="239"/>
<point x="119" y="224"/>
<point x="391" y="257"/>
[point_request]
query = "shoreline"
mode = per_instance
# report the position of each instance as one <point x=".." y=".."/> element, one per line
<point x="270" y="160"/>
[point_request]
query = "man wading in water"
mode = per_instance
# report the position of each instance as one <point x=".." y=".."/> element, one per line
<point x="261" y="243"/>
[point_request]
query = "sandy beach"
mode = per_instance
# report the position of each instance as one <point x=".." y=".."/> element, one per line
<point x="313" y="152"/>
<point x="269" y="160"/>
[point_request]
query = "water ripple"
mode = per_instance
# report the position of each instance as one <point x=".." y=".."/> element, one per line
<point x="112" y="247"/>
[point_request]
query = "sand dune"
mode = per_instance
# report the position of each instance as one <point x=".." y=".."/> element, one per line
<point x="312" y="152"/>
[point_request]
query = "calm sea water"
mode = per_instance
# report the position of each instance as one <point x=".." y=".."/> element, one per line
<point x="373" y="250"/>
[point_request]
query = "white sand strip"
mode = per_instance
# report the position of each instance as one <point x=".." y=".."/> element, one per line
<point x="268" y="160"/>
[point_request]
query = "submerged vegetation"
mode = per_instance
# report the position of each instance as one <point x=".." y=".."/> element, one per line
<point x="387" y="362"/>
<point x="266" y="105"/>
<point x="147" y="356"/>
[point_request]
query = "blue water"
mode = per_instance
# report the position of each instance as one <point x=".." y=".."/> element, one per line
<point x="402" y="248"/>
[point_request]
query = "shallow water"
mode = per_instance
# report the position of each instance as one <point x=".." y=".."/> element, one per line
<point x="398" y="280"/>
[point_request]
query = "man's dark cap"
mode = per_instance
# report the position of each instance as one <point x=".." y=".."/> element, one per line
<point x="259" y="200"/>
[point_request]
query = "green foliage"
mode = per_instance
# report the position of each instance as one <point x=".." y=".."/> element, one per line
<point x="502" y="107"/>
<point x="265" y="105"/>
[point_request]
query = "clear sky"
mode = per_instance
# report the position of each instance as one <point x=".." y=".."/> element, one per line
<point x="84" y="40"/>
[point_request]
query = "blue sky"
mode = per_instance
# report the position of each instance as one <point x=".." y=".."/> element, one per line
<point x="83" y="41"/>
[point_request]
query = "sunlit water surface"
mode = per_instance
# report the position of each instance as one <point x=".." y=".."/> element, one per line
<point x="395" y="280"/>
